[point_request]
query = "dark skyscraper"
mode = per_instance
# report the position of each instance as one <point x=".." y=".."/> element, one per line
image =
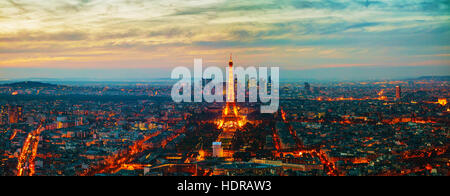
<point x="269" y="85"/>
<point x="307" y="88"/>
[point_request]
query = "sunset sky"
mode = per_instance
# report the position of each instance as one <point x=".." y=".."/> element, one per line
<point x="76" y="38"/>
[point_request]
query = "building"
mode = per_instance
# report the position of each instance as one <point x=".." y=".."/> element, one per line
<point x="217" y="149"/>
<point x="269" y="85"/>
<point x="307" y="88"/>
<point x="15" y="114"/>
<point x="398" y="92"/>
<point x="4" y="115"/>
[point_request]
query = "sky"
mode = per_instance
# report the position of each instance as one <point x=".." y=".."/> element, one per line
<point x="131" y="39"/>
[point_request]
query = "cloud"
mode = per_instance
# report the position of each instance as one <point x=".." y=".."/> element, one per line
<point x="40" y="36"/>
<point x="18" y="6"/>
<point x="171" y="32"/>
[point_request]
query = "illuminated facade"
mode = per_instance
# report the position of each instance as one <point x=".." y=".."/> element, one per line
<point x="217" y="149"/>
<point x="15" y="114"/>
<point x="398" y="92"/>
<point x="4" y="115"/>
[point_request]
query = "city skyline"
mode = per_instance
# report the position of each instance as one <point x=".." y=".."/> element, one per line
<point x="310" y="39"/>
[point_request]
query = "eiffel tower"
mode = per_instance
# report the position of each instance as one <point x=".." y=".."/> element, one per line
<point x="231" y="119"/>
<point x="230" y="115"/>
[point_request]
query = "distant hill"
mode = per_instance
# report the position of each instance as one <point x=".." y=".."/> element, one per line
<point x="29" y="84"/>
<point x="437" y="78"/>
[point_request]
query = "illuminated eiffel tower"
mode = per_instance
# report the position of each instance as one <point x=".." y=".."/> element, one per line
<point x="230" y="115"/>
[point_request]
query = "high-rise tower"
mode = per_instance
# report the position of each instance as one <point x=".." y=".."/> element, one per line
<point x="398" y="92"/>
<point x="230" y="115"/>
<point x="230" y="108"/>
<point x="307" y="88"/>
<point x="231" y="120"/>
